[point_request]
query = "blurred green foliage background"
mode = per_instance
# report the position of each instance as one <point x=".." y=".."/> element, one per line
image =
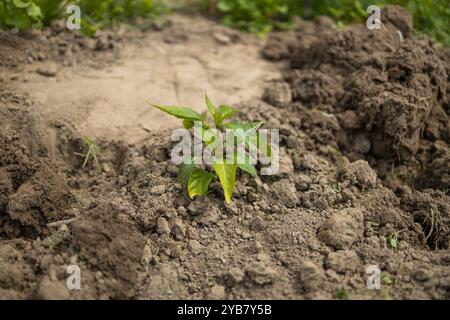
<point x="260" y="16"/>
<point x="430" y="16"/>
<point x="25" y="14"/>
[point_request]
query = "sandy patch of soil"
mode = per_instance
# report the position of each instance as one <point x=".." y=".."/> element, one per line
<point x="174" y="66"/>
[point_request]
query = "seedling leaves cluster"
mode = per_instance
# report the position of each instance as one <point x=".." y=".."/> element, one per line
<point x="197" y="179"/>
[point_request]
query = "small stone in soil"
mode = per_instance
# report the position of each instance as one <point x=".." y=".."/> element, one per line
<point x="278" y="94"/>
<point x="194" y="247"/>
<point x="217" y="293"/>
<point x="341" y="230"/>
<point x="233" y="277"/>
<point x="52" y="290"/>
<point x="311" y="276"/>
<point x="221" y="38"/>
<point x="342" y="261"/>
<point x="48" y="70"/>
<point x="260" y="273"/>
<point x="162" y="226"/>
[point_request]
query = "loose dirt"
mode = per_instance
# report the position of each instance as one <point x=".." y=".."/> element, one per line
<point x="364" y="176"/>
<point x="106" y="93"/>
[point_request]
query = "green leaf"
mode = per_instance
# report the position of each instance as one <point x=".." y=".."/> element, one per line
<point x="261" y="142"/>
<point x="188" y="123"/>
<point x="246" y="164"/>
<point x="227" y="112"/>
<point x="204" y="115"/>
<point x="212" y="109"/>
<point x="180" y="112"/>
<point x="34" y="11"/>
<point x="21" y="4"/>
<point x="224" y="6"/>
<point x="233" y="125"/>
<point x="87" y="28"/>
<point x="20" y="21"/>
<point x="184" y="172"/>
<point x="199" y="182"/>
<point x="220" y="114"/>
<point x="249" y="168"/>
<point x="386" y="280"/>
<point x="207" y="135"/>
<point x="246" y="126"/>
<point x="216" y="115"/>
<point x="255" y="125"/>
<point x="393" y="241"/>
<point x="264" y="146"/>
<point x="227" y="177"/>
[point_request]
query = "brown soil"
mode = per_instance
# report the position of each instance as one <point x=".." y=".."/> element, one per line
<point x="364" y="124"/>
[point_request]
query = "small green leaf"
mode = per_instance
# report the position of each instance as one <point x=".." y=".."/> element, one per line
<point x="208" y="137"/>
<point x="20" y="21"/>
<point x="233" y="125"/>
<point x="342" y="294"/>
<point x="188" y="123"/>
<point x="205" y="133"/>
<point x="261" y="142"/>
<point x="246" y="126"/>
<point x="34" y="11"/>
<point x="216" y="115"/>
<point x="180" y="112"/>
<point x="227" y="112"/>
<point x="224" y="6"/>
<point x="204" y="117"/>
<point x="249" y="168"/>
<point x="385" y="279"/>
<point x="227" y="177"/>
<point x="21" y="4"/>
<point x="255" y="125"/>
<point x="264" y="146"/>
<point x="184" y="172"/>
<point x="199" y="182"/>
<point x="393" y="241"/>
<point x="212" y="109"/>
<point x="87" y="28"/>
<point x="247" y="164"/>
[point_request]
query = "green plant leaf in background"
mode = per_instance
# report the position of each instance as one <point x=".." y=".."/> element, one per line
<point x="260" y="16"/>
<point x="199" y="182"/>
<point x="21" y="4"/>
<point x="181" y="112"/>
<point x="227" y="176"/>
<point x="34" y="11"/>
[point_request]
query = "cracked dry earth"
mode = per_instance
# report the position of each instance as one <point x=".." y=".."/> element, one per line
<point x="364" y="156"/>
